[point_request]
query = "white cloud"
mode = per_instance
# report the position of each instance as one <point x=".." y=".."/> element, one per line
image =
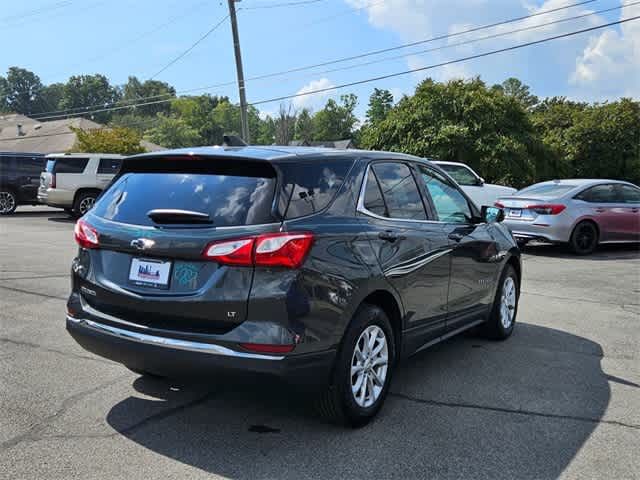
<point x="314" y="100"/>
<point x="610" y="63"/>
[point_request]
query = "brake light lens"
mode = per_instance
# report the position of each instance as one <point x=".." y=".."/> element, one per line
<point x="269" y="250"/>
<point x="547" y="209"/>
<point x="267" y="348"/>
<point x="498" y="204"/>
<point x="53" y="180"/>
<point x="282" y="249"/>
<point x="86" y="236"/>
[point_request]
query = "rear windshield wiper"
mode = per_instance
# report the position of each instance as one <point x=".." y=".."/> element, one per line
<point x="169" y="216"/>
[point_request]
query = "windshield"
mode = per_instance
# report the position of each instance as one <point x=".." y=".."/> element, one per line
<point x="461" y="174"/>
<point x="229" y="200"/>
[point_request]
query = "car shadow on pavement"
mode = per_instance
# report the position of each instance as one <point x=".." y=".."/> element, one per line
<point x="621" y="251"/>
<point x="468" y="408"/>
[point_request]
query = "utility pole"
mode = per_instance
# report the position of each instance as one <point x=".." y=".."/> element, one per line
<point x="240" y="73"/>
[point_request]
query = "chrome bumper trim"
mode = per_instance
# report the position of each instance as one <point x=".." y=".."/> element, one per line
<point x="172" y="343"/>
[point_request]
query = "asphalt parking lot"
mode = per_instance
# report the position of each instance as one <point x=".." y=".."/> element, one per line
<point x="560" y="399"/>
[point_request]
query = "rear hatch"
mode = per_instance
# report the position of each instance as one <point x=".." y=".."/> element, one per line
<point x="153" y="225"/>
<point x="47" y="178"/>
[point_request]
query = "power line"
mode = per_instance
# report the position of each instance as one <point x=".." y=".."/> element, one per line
<point x="406" y="72"/>
<point x="188" y="50"/>
<point x="284" y="4"/>
<point x="43" y="115"/>
<point x="37" y="11"/>
<point x="450" y="62"/>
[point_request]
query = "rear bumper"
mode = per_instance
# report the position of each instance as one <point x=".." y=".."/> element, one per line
<point x="539" y="230"/>
<point x="180" y="358"/>
<point x="56" y="197"/>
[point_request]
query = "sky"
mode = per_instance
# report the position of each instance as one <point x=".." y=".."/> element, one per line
<point x="118" y="38"/>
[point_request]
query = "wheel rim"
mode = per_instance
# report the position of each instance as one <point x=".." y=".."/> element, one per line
<point x="86" y="204"/>
<point x="7" y="202"/>
<point x="585" y="237"/>
<point x="508" y="302"/>
<point x="369" y="365"/>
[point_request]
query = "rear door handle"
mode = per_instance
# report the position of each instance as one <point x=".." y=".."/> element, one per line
<point x="456" y="236"/>
<point x="390" y="236"/>
<point x="601" y="210"/>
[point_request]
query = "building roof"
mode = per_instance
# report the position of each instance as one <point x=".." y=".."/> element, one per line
<point x="19" y="133"/>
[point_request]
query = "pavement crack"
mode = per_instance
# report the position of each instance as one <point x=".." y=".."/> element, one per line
<point x="29" y="292"/>
<point x="597" y="302"/>
<point x="33" y="277"/>
<point x="531" y="413"/>
<point x="35" y="432"/>
<point x="36" y="346"/>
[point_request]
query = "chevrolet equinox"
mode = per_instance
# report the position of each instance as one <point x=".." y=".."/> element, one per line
<point x="319" y="266"/>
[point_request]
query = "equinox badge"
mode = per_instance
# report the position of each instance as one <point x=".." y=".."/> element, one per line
<point x="142" y="243"/>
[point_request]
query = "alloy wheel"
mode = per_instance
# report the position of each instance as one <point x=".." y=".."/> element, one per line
<point x="86" y="204"/>
<point x="585" y="237"/>
<point x="508" y="302"/>
<point x="369" y="366"/>
<point x="7" y="202"/>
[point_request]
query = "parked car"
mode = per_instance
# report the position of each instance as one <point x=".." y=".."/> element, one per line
<point x="19" y="177"/>
<point x="319" y="266"/>
<point x="473" y="184"/>
<point x="74" y="181"/>
<point x="581" y="213"/>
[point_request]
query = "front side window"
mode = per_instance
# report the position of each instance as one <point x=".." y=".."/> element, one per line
<point x="450" y="205"/>
<point x="462" y="175"/>
<point x="630" y="194"/>
<point x="109" y="166"/>
<point x="399" y="191"/>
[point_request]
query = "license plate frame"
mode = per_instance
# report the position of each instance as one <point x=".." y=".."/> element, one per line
<point x="157" y="275"/>
<point x="515" y="212"/>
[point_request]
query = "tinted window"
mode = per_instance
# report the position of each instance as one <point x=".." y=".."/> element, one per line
<point x="450" y="205"/>
<point x="400" y="191"/>
<point x="228" y="199"/>
<point x="311" y="185"/>
<point x="630" y="194"/>
<point x="460" y="174"/>
<point x="29" y="166"/>
<point x="547" y="190"/>
<point x="109" y="165"/>
<point x="600" y="194"/>
<point x="6" y="164"/>
<point x="373" y="196"/>
<point x="69" y="165"/>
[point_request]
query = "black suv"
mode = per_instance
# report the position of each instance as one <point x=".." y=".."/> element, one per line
<point x="323" y="267"/>
<point x="19" y="179"/>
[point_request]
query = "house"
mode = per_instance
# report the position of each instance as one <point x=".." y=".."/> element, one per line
<point x="340" y="144"/>
<point x="19" y="133"/>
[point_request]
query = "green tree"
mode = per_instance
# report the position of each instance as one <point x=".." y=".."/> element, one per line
<point x="83" y="90"/>
<point x="336" y="121"/>
<point x="4" y="93"/>
<point x="172" y="132"/>
<point x="50" y="98"/>
<point x="108" y="140"/>
<point x="462" y="121"/>
<point x="380" y="104"/>
<point x="513" y="87"/>
<point x="266" y="132"/>
<point x="304" y="126"/>
<point x="22" y="89"/>
<point x="148" y="91"/>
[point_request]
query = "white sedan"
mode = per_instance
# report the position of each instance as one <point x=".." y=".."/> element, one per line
<point x="473" y="184"/>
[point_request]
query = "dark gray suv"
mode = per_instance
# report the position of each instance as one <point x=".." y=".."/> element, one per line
<point x="319" y="266"/>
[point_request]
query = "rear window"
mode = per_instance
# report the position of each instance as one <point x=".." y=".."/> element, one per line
<point x="67" y="165"/>
<point x="228" y="199"/>
<point x="547" y="190"/>
<point x="311" y="185"/>
<point x="462" y="175"/>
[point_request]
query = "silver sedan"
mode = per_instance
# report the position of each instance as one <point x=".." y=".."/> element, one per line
<point x="582" y="213"/>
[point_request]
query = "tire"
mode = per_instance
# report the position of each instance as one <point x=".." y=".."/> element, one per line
<point x="84" y="202"/>
<point x="584" y="238"/>
<point x="338" y="403"/>
<point x="8" y="201"/>
<point x="69" y="211"/>
<point x="502" y="319"/>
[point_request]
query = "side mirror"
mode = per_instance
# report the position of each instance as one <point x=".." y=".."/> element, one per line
<point x="492" y="214"/>
<point x="480" y="181"/>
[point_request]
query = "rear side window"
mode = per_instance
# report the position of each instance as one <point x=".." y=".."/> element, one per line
<point x="229" y="200"/>
<point x="6" y="163"/>
<point x="311" y="185"/>
<point x="29" y="166"/>
<point x="600" y="194"/>
<point x="373" y="200"/>
<point x="460" y="174"/>
<point x="109" y="165"/>
<point x="399" y="191"/>
<point x="68" y="165"/>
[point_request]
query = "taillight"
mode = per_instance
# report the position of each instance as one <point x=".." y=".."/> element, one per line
<point x="53" y="180"/>
<point x="282" y="249"/>
<point x="267" y="348"/>
<point x="86" y="236"/>
<point x="269" y="250"/>
<point x="547" y="209"/>
<point x="498" y="204"/>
